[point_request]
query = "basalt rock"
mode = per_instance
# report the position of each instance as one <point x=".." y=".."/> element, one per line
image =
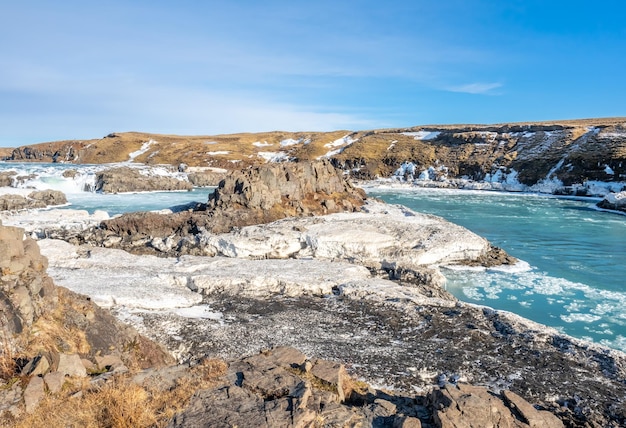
<point x="281" y="387"/>
<point x="126" y="179"/>
<point x="253" y="196"/>
<point x="274" y="191"/>
<point x="201" y="178"/>
<point x="476" y="407"/>
<point x="25" y="289"/>
<point x="36" y="199"/>
<point x="48" y="327"/>
<point x="49" y="197"/>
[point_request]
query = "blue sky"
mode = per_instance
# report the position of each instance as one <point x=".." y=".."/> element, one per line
<point x="83" y="69"/>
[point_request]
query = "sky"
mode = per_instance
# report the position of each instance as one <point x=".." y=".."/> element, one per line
<point x="83" y="69"/>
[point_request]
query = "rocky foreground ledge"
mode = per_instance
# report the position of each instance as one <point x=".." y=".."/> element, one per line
<point x="360" y="287"/>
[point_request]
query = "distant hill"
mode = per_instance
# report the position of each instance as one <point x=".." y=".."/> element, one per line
<point x="570" y="150"/>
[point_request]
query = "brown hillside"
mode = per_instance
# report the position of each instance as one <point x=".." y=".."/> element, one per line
<point x="569" y="150"/>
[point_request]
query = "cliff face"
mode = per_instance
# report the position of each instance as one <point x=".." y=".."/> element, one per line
<point x="572" y="154"/>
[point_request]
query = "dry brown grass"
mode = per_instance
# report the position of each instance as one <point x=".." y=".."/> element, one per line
<point x="50" y="332"/>
<point x="7" y="359"/>
<point x="121" y="403"/>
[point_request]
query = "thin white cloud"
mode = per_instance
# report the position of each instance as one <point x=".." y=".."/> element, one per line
<point x="476" y="88"/>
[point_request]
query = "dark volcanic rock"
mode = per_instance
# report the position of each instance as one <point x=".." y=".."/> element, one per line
<point x="281" y="387"/>
<point x="72" y="322"/>
<point x="274" y="191"/>
<point x="205" y="178"/>
<point x="253" y="196"/>
<point x="571" y="153"/>
<point x="36" y="199"/>
<point x="412" y="348"/>
<point x="126" y="179"/>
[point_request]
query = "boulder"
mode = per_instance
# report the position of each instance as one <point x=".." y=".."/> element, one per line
<point x="54" y="381"/>
<point x="49" y="197"/>
<point x="36" y="366"/>
<point x="471" y="406"/>
<point x="270" y="390"/>
<point x="33" y="393"/>
<point x="6" y="178"/>
<point x="71" y="365"/>
<point x="205" y="178"/>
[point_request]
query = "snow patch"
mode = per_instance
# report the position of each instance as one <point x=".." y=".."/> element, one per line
<point x="290" y="142"/>
<point x="144" y="148"/>
<point x="261" y="144"/>
<point x="423" y="135"/>
<point x="273" y="156"/>
<point x="218" y="152"/>
<point x="342" y="143"/>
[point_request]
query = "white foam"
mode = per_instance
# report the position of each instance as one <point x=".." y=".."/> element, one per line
<point x="579" y="317"/>
<point x="520" y="266"/>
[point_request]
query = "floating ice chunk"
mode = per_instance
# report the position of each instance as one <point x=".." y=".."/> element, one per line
<point x="570" y="318"/>
<point x="609" y="170"/>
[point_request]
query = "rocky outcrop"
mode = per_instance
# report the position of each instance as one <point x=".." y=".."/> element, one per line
<point x="47" y="329"/>
<point x="274" y="191"/>
<point x="34" y="200"/>
<point x="281" y="387"/>
<point x="614" y="202"/>
<point x="126" y="179"/>
<point x="27" y="292"/>
<point x="252" y="196"/>
<point x="564" y="158"/>
<point x="400" y="333"/>
<point x="205" y="178"/>
<point x="476" y="407"/>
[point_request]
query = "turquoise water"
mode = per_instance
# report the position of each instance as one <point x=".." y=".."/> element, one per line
<point x="50" y="176"/>
<point x="577" y="256"/>
<point x="129" y="202"/>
